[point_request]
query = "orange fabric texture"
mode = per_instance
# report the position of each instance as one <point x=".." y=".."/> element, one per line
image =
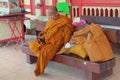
<point x="96" y="44"/>
<point x="78" y="50"/>
<point x="57" y="33"/>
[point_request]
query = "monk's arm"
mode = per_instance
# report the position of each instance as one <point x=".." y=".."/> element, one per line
<point x="68" y="30"/>
<point x="51" y="32"/>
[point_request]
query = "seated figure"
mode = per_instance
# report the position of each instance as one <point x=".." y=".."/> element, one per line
<point x="55" y="35"/>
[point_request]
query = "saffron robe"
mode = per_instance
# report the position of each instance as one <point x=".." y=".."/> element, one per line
<point x="57" y="33"/>
<point x="96" y="44"/>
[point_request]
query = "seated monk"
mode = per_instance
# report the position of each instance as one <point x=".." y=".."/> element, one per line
<point x="56" y="34"/>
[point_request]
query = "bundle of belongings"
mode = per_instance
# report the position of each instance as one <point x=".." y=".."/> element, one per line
<point x="89" y="42"/>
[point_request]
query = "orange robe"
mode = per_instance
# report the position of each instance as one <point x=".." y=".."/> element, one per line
<point x="96" y="44"/>
<point x="57" y="33"/>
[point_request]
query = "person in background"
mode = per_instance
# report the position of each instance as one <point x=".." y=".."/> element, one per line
<point x="56" y="34"/>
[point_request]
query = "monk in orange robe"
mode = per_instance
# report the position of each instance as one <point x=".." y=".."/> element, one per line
<point x="56" y="34"/>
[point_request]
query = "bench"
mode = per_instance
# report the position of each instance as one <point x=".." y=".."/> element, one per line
<point x="93" y="71"/>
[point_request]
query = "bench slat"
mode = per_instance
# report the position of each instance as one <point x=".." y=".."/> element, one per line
<point x="84" y="64"/>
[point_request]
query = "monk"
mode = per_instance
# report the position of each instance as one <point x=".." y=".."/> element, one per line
<point x="56" y="34"/>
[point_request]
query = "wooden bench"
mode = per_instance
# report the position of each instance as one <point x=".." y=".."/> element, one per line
<point x="93" y="71"/>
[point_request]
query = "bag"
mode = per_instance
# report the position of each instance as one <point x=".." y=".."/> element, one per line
<point x="96" y="44"/>
<point x="78" y="50"/>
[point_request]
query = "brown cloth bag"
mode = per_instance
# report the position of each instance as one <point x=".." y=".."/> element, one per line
<point x="96" y="44"/>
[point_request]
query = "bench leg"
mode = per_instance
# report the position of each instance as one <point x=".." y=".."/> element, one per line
<point x="98" y="76"/>
<point x="31" y="59"/>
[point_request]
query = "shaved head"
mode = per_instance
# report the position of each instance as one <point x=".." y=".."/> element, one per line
<point x="52" y="12"/>
<point x="52" y="9"/>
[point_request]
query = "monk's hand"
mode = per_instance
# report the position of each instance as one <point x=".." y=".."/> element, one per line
<point x="41" y="39"/>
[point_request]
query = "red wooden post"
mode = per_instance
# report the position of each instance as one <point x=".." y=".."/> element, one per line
<point x="54" y="2"/>
<point x="32" y="6"/>
<point x="43" y="7"/>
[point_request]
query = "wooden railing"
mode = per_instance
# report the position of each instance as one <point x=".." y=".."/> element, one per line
<point x="96" y="11"/>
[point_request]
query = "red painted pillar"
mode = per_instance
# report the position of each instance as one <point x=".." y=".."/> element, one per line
<point x="32" y="6"/>
<point x="43" y="7"/>
<point x="54" y="2"/>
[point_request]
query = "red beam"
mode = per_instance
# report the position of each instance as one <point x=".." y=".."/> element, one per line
<point x="101" y="1"/>
<point x="102" y="4"/>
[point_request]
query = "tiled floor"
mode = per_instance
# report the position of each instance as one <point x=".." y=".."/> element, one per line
<point x="13" y="66"/>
